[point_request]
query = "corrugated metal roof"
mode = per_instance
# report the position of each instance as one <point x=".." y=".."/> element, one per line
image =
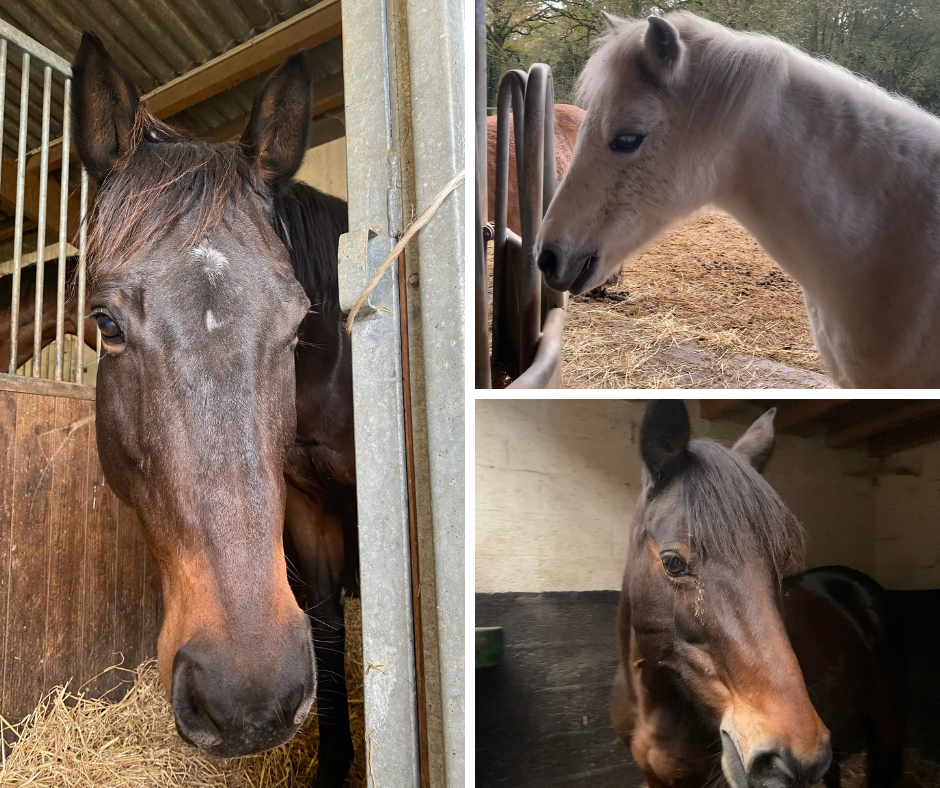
<point x="155" y="41"/>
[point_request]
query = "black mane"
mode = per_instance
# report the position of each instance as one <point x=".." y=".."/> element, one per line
<point x="309" y="223"/>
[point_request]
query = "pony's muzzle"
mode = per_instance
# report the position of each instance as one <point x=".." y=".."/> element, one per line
<point x="566" y="271"/>
<point x="229" y="718"/>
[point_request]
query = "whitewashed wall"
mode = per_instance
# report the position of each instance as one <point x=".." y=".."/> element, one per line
<point x="324" y="168"/>
<point x="556" y="482"/>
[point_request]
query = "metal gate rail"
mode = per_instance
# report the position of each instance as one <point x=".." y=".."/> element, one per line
<point x="528" y="317"/>
<point x="13" y="41"/>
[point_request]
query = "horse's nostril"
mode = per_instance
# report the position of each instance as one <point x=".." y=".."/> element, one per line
<point x="773" y="769"/>
<point x="547" y="262"/>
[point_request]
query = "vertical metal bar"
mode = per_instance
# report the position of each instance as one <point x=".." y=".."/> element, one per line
<point x="18" y="227"/>
<point x="482" y="368"/>
<point x="437" y="342"/>
<point x="80" y="306"/>
<point x="372" y="35"/>
<point x="63" y="231"/>
<point x="41" y="221"/>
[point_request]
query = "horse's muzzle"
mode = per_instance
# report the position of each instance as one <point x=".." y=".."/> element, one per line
<point x="227" y="718"/>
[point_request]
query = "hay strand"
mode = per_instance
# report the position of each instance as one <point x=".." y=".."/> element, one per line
<point x="72" y="741"/>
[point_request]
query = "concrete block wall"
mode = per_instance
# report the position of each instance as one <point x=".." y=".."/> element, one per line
<point x="324" y="168"/>
<point x="556" y="482"/>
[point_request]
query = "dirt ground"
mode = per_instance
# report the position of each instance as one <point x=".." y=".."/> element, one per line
<point x="704" y="307"/>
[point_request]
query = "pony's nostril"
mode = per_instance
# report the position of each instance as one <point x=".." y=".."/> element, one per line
<point x="547" y="262"/>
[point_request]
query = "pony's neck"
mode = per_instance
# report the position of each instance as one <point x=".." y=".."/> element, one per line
<point x="839" y="184"/>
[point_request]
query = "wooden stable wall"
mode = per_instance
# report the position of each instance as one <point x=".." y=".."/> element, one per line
<point x="76" y="592"/>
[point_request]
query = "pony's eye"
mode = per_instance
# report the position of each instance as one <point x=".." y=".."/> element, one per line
<point x="674" y="564"/>
<point x="108" y="328"/>
<point x="626" y="143"/>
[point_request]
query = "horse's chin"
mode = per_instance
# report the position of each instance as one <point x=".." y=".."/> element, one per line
<point x="239" y="749"/>
<point x="591" y="276"/>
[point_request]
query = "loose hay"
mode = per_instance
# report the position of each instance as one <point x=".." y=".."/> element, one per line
<point x="70" y="741"/>
<point x="706" y="288"/>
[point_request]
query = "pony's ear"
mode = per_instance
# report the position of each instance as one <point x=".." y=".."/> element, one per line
<point x="276" y="136"/>
<point x="104" y="105"/>
<point x="664" y="438"/>
<point x="757" y="443"/>
<point x="610" y="21"/>
<point x="662" y="48"/>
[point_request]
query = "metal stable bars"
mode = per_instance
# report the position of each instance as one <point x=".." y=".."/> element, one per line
<point x="528" y="317"/>
<point x="12" y="41"/>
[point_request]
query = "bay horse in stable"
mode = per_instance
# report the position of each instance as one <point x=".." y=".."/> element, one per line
<point x="726" y="668"/>
<point x="224" y="404"/>
<point x="836" y="179"/>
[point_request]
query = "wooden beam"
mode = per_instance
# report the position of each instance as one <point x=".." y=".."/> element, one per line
<point x="868" y="418"/>
<point x="910" y="436"/>
<point x="31" y="198"/>
<point x="8" y="227"/>
<point x="305" y="30"/>
<point x="56" y="388"/>
<point x="327" y="94"/>
<point x="793" y="413"/>
<point x="716" y="408"/>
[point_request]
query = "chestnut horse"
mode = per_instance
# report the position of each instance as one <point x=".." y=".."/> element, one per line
<point x="24" y="347"/>
<point x="224" y="404"/>
<point x="567" y="122"/>
<point x="725" y="667"/>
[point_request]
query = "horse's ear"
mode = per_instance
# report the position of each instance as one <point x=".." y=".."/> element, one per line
<point x="758" y="442"/>
<point x="664" y="438"/>
<point x="663" y="48"/>
<point x="276" y="136"/>
<point x="610" y="21"/>
<point x="104" y="106"/>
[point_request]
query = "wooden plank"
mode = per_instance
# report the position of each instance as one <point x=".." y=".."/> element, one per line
<point x="152" y="611"/>
<point x="31" y="198"/>
<point x="793" y="413"/>
<point x="908" y="437"/>
<point x="327" y="94"/>
<point x="867" y="418"/>
<point x="8" y="228"/>
<point x="129" y="588"/>
<point x="100" y="578"/>
<point x="29" y="553"/>
<point x="716" y="408"/>
<point x="305" y="30"/>
<point x="67" y="445"/>
<point x="46" y="387"/>
<point x="8" y="403"/>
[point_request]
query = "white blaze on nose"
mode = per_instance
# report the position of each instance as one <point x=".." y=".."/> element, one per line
<point x="211" y="322"/>
<point x="214" y="262"/>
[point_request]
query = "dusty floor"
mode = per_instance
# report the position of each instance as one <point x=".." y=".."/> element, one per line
<point x="703" y="307"/>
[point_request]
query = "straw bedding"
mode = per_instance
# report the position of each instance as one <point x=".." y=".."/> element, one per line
<point x="75" y="742"/>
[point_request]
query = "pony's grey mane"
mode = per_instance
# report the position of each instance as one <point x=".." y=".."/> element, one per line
<point x="732" y="512"/>
<point x="731" y="74"/>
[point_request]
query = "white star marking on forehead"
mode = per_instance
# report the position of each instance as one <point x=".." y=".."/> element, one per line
<point x="214" y="261"/>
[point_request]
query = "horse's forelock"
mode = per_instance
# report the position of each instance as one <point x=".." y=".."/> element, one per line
<point x="165" y="175"/>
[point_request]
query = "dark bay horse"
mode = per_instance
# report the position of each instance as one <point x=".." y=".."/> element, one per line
<point x="224" y="404"/>
<point x="729" y="673"/>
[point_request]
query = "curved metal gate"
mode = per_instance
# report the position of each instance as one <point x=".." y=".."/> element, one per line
<point x="528" y="316"/>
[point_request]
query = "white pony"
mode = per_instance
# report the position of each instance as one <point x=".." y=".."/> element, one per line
<point x="838" y="180"/>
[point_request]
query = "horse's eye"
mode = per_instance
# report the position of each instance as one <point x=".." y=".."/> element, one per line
<point x="626" y="143"/>
<point x="674" y="564"/>
<point x="108" y="328"/>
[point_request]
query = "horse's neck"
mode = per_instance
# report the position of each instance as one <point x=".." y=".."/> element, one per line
<point x="324" y="380"/>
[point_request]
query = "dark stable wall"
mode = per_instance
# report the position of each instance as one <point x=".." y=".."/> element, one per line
<point x="542" y="714"/>
<point x="76" y="593"/>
